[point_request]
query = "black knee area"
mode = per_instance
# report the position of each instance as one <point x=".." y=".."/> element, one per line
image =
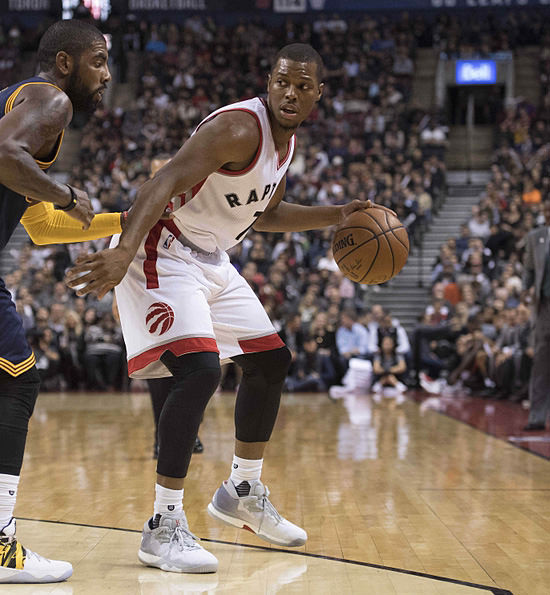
<point x="196" y="376"/>
<point x="181" y="366"/>
<point x="17" y="399"/>
<point x="260" y="393"/>
<point x="272" y="365"/>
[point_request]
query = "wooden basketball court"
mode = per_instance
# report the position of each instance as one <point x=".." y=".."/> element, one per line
<point x="395" y="499"/>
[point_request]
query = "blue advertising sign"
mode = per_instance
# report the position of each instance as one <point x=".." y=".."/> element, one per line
<point x="476" y="72"/>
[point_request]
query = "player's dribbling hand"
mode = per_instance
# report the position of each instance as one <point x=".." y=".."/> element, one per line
<point x="99" y="272"/>
<point x="83" y="211"/>
<point x="361" y="205"/>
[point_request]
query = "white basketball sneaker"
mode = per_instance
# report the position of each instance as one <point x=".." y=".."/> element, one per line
<point x="19" y="565"/>
<point x="172" y="547"/>
<point x="254" y="512"/>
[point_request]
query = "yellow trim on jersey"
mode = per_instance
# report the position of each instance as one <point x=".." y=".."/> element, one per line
<point x="9" y="106"/>
<point x="17" y="369"/>
<point x="11" y="99"/>
<point x="46" y="164"/>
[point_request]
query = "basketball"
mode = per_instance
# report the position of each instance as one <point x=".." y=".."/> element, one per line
<point x="370" y="246"/>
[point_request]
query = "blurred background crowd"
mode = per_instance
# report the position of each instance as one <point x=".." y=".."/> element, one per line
<point x="364" y="140"/>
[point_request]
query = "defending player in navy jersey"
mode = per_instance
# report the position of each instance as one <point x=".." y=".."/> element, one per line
<point x="33" y="114"/>
<point x="184" y="307"/>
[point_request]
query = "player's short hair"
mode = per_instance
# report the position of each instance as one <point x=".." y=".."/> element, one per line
<point x="71" y="36"/>
<point x="301" y="52"/>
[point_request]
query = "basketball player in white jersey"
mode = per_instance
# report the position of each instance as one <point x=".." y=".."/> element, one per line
<point x="184" y="307"/>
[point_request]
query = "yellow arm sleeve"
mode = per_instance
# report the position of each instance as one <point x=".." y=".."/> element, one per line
<point x="45" y="225"/>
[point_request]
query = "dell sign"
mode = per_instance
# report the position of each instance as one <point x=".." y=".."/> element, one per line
<point x="476" y="72"/>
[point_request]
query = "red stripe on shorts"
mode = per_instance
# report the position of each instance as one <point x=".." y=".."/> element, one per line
<point x="177" y="347"/>
<point x="171" y="227"/>
<point x="151" y="254"/>
<point x="261" y="343"/>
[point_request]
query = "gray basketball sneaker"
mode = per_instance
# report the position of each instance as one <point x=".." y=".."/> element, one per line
<point x="255" y="513"/>
<point x="172" y="547"/>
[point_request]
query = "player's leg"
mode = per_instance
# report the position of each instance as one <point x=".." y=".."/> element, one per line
<point x="165" y="319"/>
<point x="242" y="500"/>
<point x="159" y="389"/>
<point x="245" y="333"/>
<point x="168" y="328"/>
<point x="195" y="378"/>
<point x="17" y="563"/>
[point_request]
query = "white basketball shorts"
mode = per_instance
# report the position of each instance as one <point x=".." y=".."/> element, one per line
<point x="176" y="299"/>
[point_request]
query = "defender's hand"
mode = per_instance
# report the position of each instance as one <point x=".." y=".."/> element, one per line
<point x="83" y="210"/>
<point x="100" y="272"/>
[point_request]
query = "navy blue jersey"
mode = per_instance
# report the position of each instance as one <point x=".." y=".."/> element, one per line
<point x="13" y="205"/>
<point x="16" y="356"/>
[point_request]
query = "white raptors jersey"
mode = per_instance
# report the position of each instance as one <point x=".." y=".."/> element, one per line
<point x="217" y="212"/>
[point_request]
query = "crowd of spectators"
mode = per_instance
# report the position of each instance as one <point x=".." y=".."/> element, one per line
<point x="364" y="140"/>
<point x="493" y="33"/>
<point x="78" y="344"/>
<point x="476" y="331"/>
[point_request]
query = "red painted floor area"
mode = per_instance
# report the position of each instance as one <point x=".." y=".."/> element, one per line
<point x="501" y="419"/>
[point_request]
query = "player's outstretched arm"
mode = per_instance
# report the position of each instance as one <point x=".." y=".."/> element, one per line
<point x="282" y="216"/>
<point x="229" y="139"/>
<point x="35" y="122"/>
<point x="47" y="226"/>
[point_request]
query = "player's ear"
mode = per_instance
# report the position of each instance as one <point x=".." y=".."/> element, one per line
<point x="64" y="63"/>
<point x="268" y="80"/>
<point x="320" y="90"/>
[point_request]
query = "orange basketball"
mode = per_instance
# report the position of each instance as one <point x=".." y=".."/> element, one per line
<point x="370" y="246"/>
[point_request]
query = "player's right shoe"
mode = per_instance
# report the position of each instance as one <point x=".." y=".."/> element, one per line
<point x="170" y="546"/>
<point x="254" y="512"/>
<point x="19" y="565"/>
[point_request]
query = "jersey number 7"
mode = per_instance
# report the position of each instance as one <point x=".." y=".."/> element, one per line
<point x="243" y="232"/>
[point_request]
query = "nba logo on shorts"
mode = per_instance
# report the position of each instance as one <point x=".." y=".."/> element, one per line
<point x="159" y="318"/>
<point x="168" y="241"/>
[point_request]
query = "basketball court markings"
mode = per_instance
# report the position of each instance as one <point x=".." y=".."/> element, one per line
<point x="106" y="558"/>
<point x="106" y="440"/>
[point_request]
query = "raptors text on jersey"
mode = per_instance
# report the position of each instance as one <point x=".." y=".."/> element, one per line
<point x="218" y="211"/>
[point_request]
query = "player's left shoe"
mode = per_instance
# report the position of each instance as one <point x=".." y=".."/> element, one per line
<point x="19" y="565"/>
<point x="167" y="543"/>
<point x="255" y="513"/>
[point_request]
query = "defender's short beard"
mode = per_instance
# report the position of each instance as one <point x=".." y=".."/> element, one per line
<point x="80" y="98"/>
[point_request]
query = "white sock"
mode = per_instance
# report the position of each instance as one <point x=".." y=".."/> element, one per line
<point x="167" y="501"/>
<point x="8" y="496"/>
<point x="245" y="470"/>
